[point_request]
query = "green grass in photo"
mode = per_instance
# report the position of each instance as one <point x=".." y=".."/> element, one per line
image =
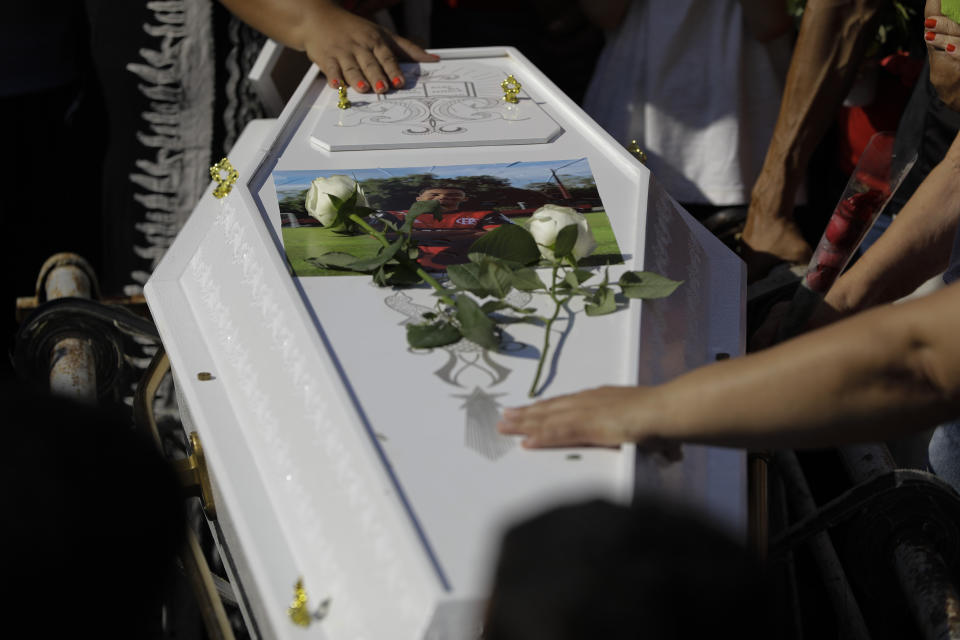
<point x="304" y="244"/>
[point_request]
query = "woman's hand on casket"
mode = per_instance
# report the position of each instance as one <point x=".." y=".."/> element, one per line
<point x="605" y="416"/>
<point x="347" y="48"/>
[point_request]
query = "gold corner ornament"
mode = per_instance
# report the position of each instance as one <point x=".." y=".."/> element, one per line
<point x="637" y="152"/>
<point x="342" y="102"/>
<point x="511" y="87"/>
<point x="298" y="608"/>
<point x="224" y="182"/>
<point x="299" y="612"/>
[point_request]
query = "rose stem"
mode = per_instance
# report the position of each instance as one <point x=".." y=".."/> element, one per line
<point x="546" y="335"/>
<point x="426" y="277"/>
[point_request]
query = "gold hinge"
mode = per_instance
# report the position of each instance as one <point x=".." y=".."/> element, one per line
<point x="194" y="477"/>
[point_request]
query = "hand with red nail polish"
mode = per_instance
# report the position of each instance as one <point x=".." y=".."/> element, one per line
<point x="345" y="46"/>
<point x="943" y="41"/>
<point x="397" y="82"/>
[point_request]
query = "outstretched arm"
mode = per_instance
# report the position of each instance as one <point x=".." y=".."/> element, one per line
<point x="346" y="47"/>
<point x="870" y="377"/>
<point x="917" y="245"/>
<point x="915" y="248"/>
<point x="833" y="38"/>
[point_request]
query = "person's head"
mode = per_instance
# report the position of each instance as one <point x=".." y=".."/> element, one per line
<point x="449" y="197"/>
<point x="86" y="501"/>
<point x="599" y="570"/>
<point x="944" y="65"/>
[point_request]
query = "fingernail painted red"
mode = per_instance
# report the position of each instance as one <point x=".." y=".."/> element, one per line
<point x="930" y="23"/>
<point x="930" y="35"/>
<point x="951" y="48"/>
<point x="380" y="86"/>
<point x="335" y="83"/>
<point x="361" y="84"/>
<point x="397" y="81"/>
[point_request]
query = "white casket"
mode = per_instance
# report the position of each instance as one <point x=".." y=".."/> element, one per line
<point x="373" y="472"/>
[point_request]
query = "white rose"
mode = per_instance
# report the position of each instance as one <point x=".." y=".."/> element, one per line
<point x="319" y="205"/>
<point x="548" y="220"/>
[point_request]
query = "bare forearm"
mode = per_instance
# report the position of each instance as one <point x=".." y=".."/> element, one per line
<point x="915" y="248"/>
<point x="346" y="47"/>
<point x="281" y="20"/>
<point x="879" y="374"/>
<point x="833" y="38"/>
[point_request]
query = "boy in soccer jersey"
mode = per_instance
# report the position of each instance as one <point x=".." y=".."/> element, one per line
<point x="444" y="239"/>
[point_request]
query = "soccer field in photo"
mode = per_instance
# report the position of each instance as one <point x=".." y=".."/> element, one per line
<point x="304" y="244"/>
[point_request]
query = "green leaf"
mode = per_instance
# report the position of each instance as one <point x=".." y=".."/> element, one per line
<point x="435" y="334"/>
<point x="573" y="279"/>
<point x="417" y="209"/>
<point x="480" y="258"/>
<point x="475" y="325"/>
<point x="566" y="239"/>
<point x="484" y="278"/>
<point x="468" y="277"/>
<point x="604" y="301"/>
<point x="508" y="242"/>
<point x="646" y="285"/>
<point x="385" y="255"/>
<point x="526" y="279"/>
<point x="498" y="278"/>
<point x="400" y="275"/>
<point x="495" y="305"/>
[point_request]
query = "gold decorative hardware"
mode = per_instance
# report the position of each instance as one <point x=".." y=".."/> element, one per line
<point x="511" y="87"/>
<point x="192" y="557"/>
<point x="204" y="376"/>
<point x="298" y="608"/>
<point x="224" y="182"/>
<point x="342" y="102"/>
<point x="299" y="612"/>
<point x="194" y="477"/>
<point x="637" y="152"/>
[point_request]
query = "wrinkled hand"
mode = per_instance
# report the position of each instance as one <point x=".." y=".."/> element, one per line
<point x="606" y="416"/>
<point x="350" y="49"/>
<point x="942" y="36"/>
